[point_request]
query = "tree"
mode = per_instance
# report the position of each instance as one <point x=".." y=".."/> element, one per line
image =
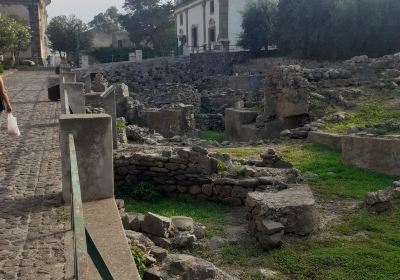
<point x="337" y="29"/>
<point x="15" y="35"/>
<point x="150" y="22"/>
<point x="107" y="22"/>
<point x="259" y="25"/>
<point x="63" y="32"/>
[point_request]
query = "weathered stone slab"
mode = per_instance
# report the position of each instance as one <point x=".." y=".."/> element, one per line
<point x="293" y="207"/>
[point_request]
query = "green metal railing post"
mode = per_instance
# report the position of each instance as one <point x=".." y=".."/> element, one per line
<point x="78" y="224"/>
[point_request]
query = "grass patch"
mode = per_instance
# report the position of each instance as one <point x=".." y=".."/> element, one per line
<point x="242" y="152"/>
<point x="212" y="215"/>
<point x="212" y="135"/>
<point x="371" y="112"/>
<point x="375" y="256"/>
<point x="334" y="177"/>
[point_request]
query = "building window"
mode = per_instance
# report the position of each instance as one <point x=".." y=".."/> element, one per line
<point x="181" y="19"/>
<point x="211" y="6"/>
<point x="211" y="34"/>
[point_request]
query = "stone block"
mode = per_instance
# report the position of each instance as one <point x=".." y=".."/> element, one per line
<point x="156" y="225"/>
<point x="180" y="223"/>
<point x="293" y="207"/>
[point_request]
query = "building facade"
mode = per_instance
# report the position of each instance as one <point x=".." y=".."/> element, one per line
<point x="35" y="14"/>
<point x="208" y="24"/>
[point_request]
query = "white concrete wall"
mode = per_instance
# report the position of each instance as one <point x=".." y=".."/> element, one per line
<point x="101" y="39"/>
<point x="214" y="16"/>
<point x="196" y="19"/>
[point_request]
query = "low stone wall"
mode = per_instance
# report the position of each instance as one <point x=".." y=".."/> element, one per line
<point x="332" y="140"/>
<point x="148" y="73"/>
<point x="379" y="154"/>
<point x="192" y="174"/>
<point x="210" y="122"/>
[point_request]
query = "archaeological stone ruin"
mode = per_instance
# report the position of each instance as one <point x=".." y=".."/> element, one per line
<point x="159" y="109"/>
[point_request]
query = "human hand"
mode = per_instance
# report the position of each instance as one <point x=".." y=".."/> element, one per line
<point x="9" y="109"/>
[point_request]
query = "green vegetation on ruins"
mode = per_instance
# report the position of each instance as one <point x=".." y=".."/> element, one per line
<point x="211" y="214"/>
<point x="329" y="176"/>
<point x="364" y="246"/>
<point x="373" y="115"/>
<point x="212" y="135"/>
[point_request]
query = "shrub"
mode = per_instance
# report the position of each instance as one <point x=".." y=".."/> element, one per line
<point x="140" y="259"/>
<point x="145" y="191"/>
<point x="239" y="171"/>
<point x="120" y="125"/>
<point x="1" y="68"/>
<point x="221" y="166"/>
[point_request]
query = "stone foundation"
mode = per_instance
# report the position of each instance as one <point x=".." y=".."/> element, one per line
<point x="192" y="174"/>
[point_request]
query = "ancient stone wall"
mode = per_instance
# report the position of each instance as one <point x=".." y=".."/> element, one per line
<point x="210" y="122"/>
<point x="379" y="154"/>
<point x="169" y="122"/>
<point x="192" y="174"/>
<point x="148" y="73"/>
<point x="166" y="94"/>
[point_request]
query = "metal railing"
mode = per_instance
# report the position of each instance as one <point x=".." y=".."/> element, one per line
<point x="83" y="244"/>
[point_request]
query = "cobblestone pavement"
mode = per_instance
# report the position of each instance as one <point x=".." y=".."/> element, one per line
<point x="32" y="219"/>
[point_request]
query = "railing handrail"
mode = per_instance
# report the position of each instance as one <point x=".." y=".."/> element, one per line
<point x="83" y="244"/>
<point x="107" y="92"/>
<point x="77" y="221"/>
<point x="66" y="101"/>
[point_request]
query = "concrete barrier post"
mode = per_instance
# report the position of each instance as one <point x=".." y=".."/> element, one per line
<point x="107" y="101"/>
<point x="88" y="83"/>
<point x="93" y="141"/>
<point x="67" y="77"/>
<point x="76" y="97"/>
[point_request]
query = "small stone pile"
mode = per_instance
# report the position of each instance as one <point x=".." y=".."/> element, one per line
<point x="380" y="201"/>
<point x="143" y="135"/>
<point x="179" y="232"/>
<point x="99" y="83"/>
<point x="271" y="159"/>
<point x="151" y="232"/>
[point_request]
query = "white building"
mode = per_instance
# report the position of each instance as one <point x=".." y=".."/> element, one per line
<point x="208" y="24"/>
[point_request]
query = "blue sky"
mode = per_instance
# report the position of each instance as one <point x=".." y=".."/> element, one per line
<point x="83" y="9"/>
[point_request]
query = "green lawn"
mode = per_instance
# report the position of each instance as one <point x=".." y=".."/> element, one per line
<point x="374" y="254"/>
<point x="212" y="215"/>
<point x="334" y="178"/>
<point x="371" y="112"/>
<point x="212" y="135"/>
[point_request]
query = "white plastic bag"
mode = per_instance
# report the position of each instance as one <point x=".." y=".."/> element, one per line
<point x="13" y="126"/>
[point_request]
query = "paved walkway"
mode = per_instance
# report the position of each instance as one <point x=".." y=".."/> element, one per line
<point x="33" y="221"/>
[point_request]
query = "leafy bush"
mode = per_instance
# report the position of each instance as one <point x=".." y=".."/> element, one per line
<point x="239" y="171"/>
<point x="140" y="259"/>
<point x="221" y="166"/>
<point x="120" y="125"/>
<point x="145" y="191"/>
<point x="1" y="68"/>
